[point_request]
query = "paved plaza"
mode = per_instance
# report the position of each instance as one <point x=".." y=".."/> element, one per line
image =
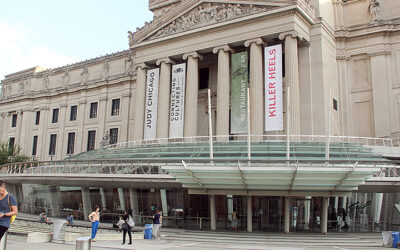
<point x="184" y="239"/>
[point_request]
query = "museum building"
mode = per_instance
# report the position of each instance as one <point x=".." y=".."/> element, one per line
<point x="282" y="110"/>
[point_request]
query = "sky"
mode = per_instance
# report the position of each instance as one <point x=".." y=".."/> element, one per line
<point x="53" y="33"/>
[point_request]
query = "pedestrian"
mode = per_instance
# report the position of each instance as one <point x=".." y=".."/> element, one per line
<point x="70" y="219"/>
<point x="43" y="217"/>
<point x="127" y="226"/>
<point x="94" y="217"/>
<point x="8" y="208"/>
<point x="157" y="222"/>
<point x="234" y="219"/>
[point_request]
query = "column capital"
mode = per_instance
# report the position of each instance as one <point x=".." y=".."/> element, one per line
<point x="126" y="94"/>
<point x="293" y="34"/>
<point x="165" y="60"/>
<point x="28" y="110"/>
<point x="82" y="101"/>
<point x="193" y="55"/>
<point x="5" y="114"/>
<point x="257" y="41"/>
<point x="142" y="66"/>
<point x="103" y="98"/>
<point x="225" y="48"/>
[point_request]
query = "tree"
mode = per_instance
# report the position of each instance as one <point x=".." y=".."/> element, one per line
<point x="11" y="153"/>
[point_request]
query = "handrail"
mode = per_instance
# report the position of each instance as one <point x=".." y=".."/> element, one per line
<point x="293" y="138"/>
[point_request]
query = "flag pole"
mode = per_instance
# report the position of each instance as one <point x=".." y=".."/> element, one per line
<point x="210" y="132"/>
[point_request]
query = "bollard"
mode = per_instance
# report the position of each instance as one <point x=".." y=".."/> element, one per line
<point x="3" y="242"/>
<point x="83" y="243"/>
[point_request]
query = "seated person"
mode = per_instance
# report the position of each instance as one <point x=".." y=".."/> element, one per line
<point x="43" y="217"/>
<point x="120" y="223"/>
<point x="70" y="219"/>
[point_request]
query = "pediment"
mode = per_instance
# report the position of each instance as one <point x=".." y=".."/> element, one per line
<point x="193" y="14"/>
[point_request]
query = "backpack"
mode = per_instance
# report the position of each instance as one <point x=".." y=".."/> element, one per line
<point x="130" y="222"/>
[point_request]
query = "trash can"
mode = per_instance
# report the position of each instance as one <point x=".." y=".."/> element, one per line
<point x="83" y="243"/>
<point x="59" y="228"/>
<point x="148" y="230"/>
<point x="387" y="238"/>
<point x="395" y="239"/>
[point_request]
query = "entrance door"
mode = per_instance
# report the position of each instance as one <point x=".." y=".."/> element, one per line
<point x="268" y="214"/>
<point x="299" y="214"/>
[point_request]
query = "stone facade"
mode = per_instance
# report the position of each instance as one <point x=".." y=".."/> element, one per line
<point x="350" y="49"/>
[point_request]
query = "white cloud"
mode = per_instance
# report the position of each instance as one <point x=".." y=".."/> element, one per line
<point x="18" y="53"/>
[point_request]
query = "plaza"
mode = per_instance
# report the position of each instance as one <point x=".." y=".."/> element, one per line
<point x="286" y="112"/>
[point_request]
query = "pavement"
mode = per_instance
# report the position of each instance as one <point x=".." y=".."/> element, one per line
<point x="201" y="240"/>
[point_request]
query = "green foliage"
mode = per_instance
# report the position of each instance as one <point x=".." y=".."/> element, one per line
<point x="10" y="154"/>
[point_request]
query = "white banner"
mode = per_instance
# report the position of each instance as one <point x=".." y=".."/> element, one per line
<point x="273" y="88"/>
<point x="151" y="107"/>
<point x="177" y="107"/>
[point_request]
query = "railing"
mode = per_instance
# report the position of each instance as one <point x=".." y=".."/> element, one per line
<point x="155" y="166"/>
<point x="369" y="141"/>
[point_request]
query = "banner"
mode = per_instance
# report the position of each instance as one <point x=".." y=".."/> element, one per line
<point x="177" y="107"/>
<point x="151" y="106"/>
<point x="273" y="88"/>
<point x="239" y="82"/>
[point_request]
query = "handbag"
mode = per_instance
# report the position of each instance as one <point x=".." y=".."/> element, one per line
<point x="12" y="218"/>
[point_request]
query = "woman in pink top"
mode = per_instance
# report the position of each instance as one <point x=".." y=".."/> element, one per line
<point x="94" y="217"/>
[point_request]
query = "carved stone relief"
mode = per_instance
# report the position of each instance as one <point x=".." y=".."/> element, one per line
<point x="129" y="66"/>
<point x="207" y="14"/>
<point x="85" y="75"/>
<point x="374" y="9"/>
<point x="106" y="70"/>
<point x="46" y="81"/>
<point x="65" y="79"/>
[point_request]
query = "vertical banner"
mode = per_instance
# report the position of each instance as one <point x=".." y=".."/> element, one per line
<point x="239" y="81"/>
<point x="273" y="88"/>
<point x="151" y="107"/>
<point x="177" y="107"/>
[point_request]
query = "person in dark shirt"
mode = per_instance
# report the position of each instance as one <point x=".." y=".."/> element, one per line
<point x="157" y="221"/>
<point x="8" y="208"/>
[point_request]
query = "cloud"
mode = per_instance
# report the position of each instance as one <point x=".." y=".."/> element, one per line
<point x="18" y="53"/>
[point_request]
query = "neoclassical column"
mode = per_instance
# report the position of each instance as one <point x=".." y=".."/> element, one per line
<point x="86" y="202"/>
<point x="79" y="145"/>
<point x="5" y="127"/>
<point x="125" y="107"/>
<point x="103" y="199"/>
<point x="121" y="198"/>
<point x="223" y="88"/>
<point x="249" y="214"/>
<point x="133" y="200"/>
<point x="324" y="215"/>
<point x="61" y="147"/>
<point x="213" y="213"/>
<point x="192" y="90"/>
<point x="45" y="116"/>
<point x="292" y="78"/>
<point x="256" y="86"/>
<point x="26" y="137"/>
<point x="1" y="127"/>
<point x="287" y="216"/>
<point x="140" y="92"/>
<point x="20" y="119"/>
<point x="102" y="113"/>
<point x="164" y="97"/>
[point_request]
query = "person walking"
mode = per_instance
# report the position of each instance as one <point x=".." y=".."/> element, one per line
<point x="234" y="220"/>
<point x="94" y="217"/>
<point x="157" y="221"/>
<point x="127" y="226"/>
<point x="8" y="208"/>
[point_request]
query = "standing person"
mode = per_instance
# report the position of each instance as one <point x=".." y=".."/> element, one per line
<point x="127" y="226"/>
<point x="8" y="208"/>
<point x="234" y="219"/>
<point x="157" y="221"/>
<point x="94" y="217"/>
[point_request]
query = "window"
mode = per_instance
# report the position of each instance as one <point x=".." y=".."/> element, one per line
<point x="14" y="120"/>
<point x="91" y="140"/>
<point x="53" y="141"/>
<point x="335" y="104"/>
<point x="11" y="142"/>
<point x="203" y="78"/>
<point x="115" y="107"/>
<point x="93" y="110"/>
<point x="34" y="146"/>
<point x="55" y="116"/>
<point x="74" y="110"/>
<point x="37" y="120"/>
<point x="113" y="135"/>
<point x="71" y="143"/>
